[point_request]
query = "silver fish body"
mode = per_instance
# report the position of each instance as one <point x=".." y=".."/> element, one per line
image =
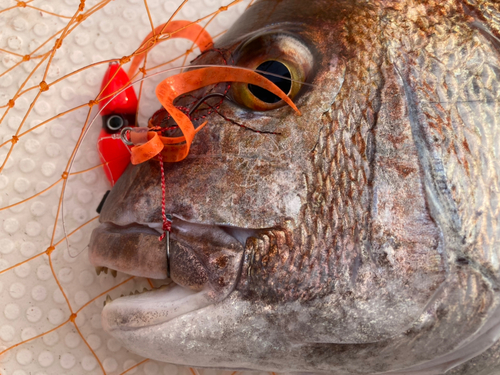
<point x="359" y="238"/>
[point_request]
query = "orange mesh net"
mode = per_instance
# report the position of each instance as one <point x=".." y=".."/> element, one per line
<point x="35" y="116"/>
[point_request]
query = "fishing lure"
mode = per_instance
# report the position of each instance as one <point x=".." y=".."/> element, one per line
<point x="120" y="112"/>
<point x="117" y="113"/>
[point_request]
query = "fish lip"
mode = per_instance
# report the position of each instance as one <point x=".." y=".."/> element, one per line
<point x="131" y="227"/>
<point x="156" y="228"/>
<point x="150" y="308"/>
<point x="118" y="247"/>
<point x="148" y="234"/>
<point x="108" y="249"/>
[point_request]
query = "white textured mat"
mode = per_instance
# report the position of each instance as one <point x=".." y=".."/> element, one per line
<point x="38" y="333"/>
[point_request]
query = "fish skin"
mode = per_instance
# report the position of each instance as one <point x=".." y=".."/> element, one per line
<point x="391" y="260"/>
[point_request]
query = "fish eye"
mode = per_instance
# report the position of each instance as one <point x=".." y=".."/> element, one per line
<point x="114" y="123"/>
<point x="287" y="60"/>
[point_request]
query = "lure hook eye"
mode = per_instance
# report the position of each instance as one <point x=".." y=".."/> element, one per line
<point x="134" y="136"/>
<point x="115" y="123"/>
<point x="124" y="136"/>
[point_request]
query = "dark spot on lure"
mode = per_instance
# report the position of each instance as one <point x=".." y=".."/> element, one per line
<point x="113" y="123"/>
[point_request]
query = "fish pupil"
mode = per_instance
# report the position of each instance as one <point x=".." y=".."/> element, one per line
<point x="284" y="84"/>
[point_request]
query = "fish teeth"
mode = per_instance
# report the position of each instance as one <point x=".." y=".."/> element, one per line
<point x="108" y="300"/>
<point x="98" y="270"/>
<point x="136" y="292"/>
<point x="113" y="272"/>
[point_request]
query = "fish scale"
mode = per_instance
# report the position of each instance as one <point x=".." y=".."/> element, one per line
<point x="347" y="165"/>
<point x="49" y="147"/>
<point x="465" y="176"/>
<point x="488" y="10"/>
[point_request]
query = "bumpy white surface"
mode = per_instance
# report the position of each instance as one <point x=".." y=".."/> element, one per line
<point x="31" y="301"/>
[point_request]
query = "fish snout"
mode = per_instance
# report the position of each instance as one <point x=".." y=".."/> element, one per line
<point x="133" y="249"/>
<point x="195" y="256"/>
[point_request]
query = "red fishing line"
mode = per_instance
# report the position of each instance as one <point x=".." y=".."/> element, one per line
<point x="167" y="224"/>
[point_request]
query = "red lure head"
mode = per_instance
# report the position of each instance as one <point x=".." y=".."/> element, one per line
<point x="119" y="112"/>
<point x="114" y="80"/>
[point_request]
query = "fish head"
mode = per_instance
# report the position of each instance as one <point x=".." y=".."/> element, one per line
<point x="337" y="240"/>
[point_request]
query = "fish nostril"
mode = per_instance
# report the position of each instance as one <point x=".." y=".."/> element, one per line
<point x="99" y="207"/>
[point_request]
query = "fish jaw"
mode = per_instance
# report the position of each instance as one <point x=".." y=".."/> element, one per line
<point x="158" y="324"/>
<point x="201" y="257"/>
<point x="187" y="329"/>
<point x="204" y="264"/>
<point x="151" y="308"/>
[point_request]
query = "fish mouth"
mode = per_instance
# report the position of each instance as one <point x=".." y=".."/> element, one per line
<point x="204" y="264"/>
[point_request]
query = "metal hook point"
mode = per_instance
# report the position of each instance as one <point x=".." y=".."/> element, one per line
<point x="167" y="234"/>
